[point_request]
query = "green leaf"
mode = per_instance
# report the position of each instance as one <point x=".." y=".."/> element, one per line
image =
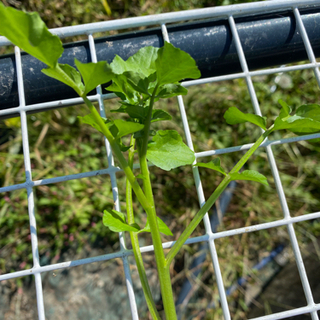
<point x="167" y="150"/>
<point x="171" y="90"/>
<point x="214" y="165"/>
<point x="160" y="115"/>
<point x="309" y="111"/>
<point x="138" y="82"/>
<point x="305" y="121"/>
<point x="251" y="175"/>
<point x="134" y="111"/>
<point x="285" y="110"/>
<point x="118" y="128"/>
<point x="163" y="228"/>
<point x="142" y="62"/>
<point x="90" y="120"/>
<point x="29" y="32"/>
<point x="66" y="74"/>
<point x="234" y="116"/>
<point x="122" y="146"/>
<point x="125" y="127"/>
<point x="116" y="222"/>
<point x="123" y="89"/>
<point x="94" y="74"/>
<point x="140" y="113"/>
<point x="174" y="65"/>
<point x="151" y="66"/>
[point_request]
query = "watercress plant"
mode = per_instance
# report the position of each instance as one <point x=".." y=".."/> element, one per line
<point x="147" y="76"/>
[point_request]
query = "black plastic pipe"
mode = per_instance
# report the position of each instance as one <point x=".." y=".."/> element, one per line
<point x="268" y="40"/>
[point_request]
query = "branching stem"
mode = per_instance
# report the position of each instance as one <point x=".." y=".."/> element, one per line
<point x="135" y="243"/>
<point x="123" y="162"/>
<point x="213" y="198"/>
<point x="163" y="268"/>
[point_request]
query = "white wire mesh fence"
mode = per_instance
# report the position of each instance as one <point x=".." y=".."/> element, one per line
<point x="229" y="13"/>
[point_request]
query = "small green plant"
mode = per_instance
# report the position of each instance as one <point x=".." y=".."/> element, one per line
<point x="147" y="76"/>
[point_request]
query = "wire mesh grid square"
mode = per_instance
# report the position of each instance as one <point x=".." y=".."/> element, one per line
<point x="229" y="13"/>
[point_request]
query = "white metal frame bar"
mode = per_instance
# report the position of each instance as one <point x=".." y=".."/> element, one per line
<point x="229" y="13"/>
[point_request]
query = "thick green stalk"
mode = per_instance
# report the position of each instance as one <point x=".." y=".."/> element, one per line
<point x="163" y="268"/>
<point x="135" y="243"/>
<point x="213" y="198"/>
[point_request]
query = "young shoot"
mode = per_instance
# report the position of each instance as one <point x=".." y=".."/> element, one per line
<point x="139" y="82"/>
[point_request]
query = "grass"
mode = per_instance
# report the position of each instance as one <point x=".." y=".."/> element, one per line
<point x="69" y="214"/>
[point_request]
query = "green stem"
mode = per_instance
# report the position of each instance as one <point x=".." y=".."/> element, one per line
<point x="249" y="153"/>
<point x="146" y="202"/>
<point x="116" y="149"/>
<point x="196" y="220"/>
<point x="135" y="243"/>
<point x="163" y="268"/>
<point x="213" y="198"/>
<point x="142" y="151"/>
